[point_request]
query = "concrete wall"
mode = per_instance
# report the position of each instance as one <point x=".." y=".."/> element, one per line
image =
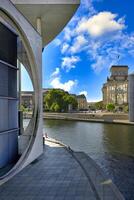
<point x="33" y="46"/>
<point x="131" y="97"/>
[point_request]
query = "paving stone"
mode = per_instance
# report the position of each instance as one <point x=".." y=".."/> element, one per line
<point x="56" y="176"/>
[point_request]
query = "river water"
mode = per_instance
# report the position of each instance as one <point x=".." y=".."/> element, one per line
<point x="110" y="145"/>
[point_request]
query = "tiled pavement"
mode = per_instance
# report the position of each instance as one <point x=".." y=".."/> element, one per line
<point x="56" y="176"/>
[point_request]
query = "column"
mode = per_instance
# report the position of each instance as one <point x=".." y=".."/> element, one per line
<point x="131" y="97"/>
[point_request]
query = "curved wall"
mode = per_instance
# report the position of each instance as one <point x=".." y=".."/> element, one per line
<point x="33" y="45"/>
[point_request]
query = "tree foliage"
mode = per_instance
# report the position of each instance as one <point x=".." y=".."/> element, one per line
<point x="110" y="107"/>
<point x="23" y="108"/>
<point x="57" y="100"/>
<point x="99" y="105"/>
<point x="126" y="109"/>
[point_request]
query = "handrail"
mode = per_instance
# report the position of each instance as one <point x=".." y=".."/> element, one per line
<point x="9" y="131"/>
<point x="9" y="98"/>
<point x="9" y="65"/>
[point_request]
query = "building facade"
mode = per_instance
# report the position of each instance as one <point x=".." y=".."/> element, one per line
<point x="82" y="102"/>
<point x="27" y="99"/>
<point x="115" y="90"/>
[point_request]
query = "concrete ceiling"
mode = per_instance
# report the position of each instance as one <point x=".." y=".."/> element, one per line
<point x="54" y="14"/>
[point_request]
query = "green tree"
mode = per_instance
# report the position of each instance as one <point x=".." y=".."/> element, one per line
<point x="23" y="108"/>
<point x="55" y="107"/>
<point x="57" y="100"/>
<point x="126" y="109"/>
<point x="110" y="107"/>
<point x="70" y="100"/>
<point x="99" y="105"/>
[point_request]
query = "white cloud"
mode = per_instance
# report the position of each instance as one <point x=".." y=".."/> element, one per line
<point x="57" y="42"/>
<point x="80" y="41"/>
<point x="100" y="24"/>
<point x="97" y="99"/>
<point x="64" y="48"/>
<point x="84" y="92"/>
<point x="87" y="4"/>
<point x="84" y="34"/>
<point x="67" y="34"/>
<point x="100" y="64"/>
<point x="69" y="62"/>
<point x="131" y="52"/>
<point x="67" y="86"/>
<point x="56" y="72"/>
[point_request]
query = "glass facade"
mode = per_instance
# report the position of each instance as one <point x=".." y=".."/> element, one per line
<point x="8" y="97"/>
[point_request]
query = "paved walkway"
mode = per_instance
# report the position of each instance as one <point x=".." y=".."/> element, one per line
<point x="55" y="176"/>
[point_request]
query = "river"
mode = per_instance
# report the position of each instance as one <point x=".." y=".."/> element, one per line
<point x="110" y="145"/>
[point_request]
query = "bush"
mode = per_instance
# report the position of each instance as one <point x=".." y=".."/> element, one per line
<point x="110" y="107"/>
<point x="126" y="109"/>
<point x="57" y="100"/>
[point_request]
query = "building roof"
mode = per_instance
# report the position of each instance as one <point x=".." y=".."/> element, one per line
<point x="119" y="66"/>
<point x="54" y="15"/>
<point x="82" y="96"/>
<point x="27" y="93"/>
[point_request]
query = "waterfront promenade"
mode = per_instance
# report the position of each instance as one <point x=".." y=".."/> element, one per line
<point x="60" y="174"/>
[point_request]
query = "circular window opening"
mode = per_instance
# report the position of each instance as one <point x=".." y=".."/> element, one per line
<point x="16" y="107"/>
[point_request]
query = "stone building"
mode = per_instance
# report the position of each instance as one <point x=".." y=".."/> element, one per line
<point x="115" y="90"/>
<point x="82" y="102"/>
<point x="27" y="99"/>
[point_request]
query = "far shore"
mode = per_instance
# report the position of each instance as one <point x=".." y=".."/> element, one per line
<point x="112" y="118"/>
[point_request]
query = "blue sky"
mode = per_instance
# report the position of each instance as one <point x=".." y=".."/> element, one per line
<point x="100" y="34"/>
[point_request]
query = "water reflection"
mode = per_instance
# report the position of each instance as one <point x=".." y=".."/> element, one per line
<point x="118" y="139"/>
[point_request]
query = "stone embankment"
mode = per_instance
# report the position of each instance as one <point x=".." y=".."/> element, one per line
<point x="119" y="118"/>
<point x="114" y="118"/>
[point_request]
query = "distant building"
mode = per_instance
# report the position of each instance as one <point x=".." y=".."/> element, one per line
<point x="27" y="99"/>
<point x="115" y="90"/>
<point x="82" y="102"/>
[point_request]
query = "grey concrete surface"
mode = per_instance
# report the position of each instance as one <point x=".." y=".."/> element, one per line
<point x="131" y="96"/>
<point x="54" y="15"/>
<point x="56" y="175"/>
<point x="35" y="23"/>
<point x="28" y="35"/>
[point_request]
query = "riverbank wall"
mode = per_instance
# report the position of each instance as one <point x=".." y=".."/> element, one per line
<point x="113" y="118"/>
<point x="95" y="117"/>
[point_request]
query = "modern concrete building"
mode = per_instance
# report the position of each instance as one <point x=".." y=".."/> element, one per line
<point x="26" y="26"/>
<point x="115" y="90"/>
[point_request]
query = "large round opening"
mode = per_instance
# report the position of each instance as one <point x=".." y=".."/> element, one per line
<point x="15" y="140"/>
